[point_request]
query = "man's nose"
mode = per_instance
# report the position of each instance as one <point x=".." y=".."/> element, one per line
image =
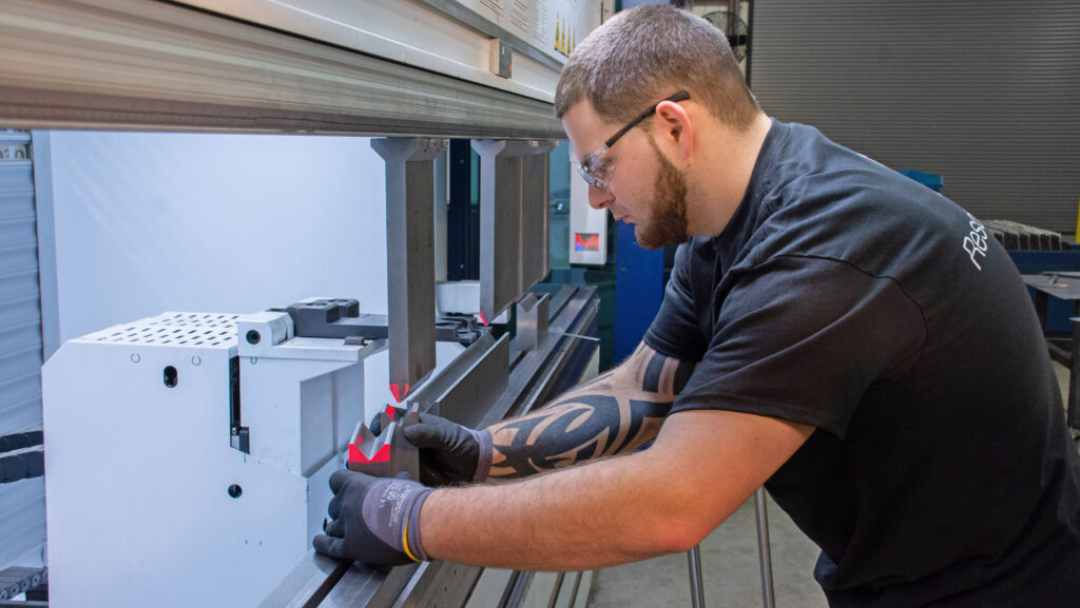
<point x="598" y="198"/>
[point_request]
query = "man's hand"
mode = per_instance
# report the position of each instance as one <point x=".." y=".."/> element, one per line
<point x="449" y="453"/>
<point x="374" y="521"/>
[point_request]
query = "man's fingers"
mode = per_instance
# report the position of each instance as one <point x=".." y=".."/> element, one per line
<point x="430" y="477"/>
<point x="332" y="547"/>
<point x="433" y="420"/>
<point x="338" y="480"/>
<point x="336" y="528"/>
<point x="334" y="508"/>
<point x="424" y="435"/>
<point x="380" y="422"/>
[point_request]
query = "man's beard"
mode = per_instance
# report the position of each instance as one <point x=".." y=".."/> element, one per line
<point x="666" y="224"/>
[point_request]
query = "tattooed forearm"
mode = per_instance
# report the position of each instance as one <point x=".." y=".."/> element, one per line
<point x="615" y="413"/>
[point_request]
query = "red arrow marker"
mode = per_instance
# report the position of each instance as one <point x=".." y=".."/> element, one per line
<point x="355" y="455"/>
<point x="398" y="393"/>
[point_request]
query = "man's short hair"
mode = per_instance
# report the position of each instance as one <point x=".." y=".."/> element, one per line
<point x="642" y="55"/>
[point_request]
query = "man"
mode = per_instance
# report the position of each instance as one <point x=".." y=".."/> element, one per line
<point x="831" y="329"/>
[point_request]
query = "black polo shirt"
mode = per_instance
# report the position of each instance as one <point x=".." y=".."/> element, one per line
<point x="848" y="297"/>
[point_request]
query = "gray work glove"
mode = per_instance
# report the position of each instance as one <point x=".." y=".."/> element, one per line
<point x="449" y="453"/>
<point x="375" y="521"/>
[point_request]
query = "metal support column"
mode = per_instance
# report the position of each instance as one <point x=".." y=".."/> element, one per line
<point x="697" y="584"/>
<point x="410" y="259"/>
<point x="761" y="511"/>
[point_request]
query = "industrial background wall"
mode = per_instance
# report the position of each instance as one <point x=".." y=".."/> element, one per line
<point x="983" y="92"/>
<point x="22" y="503"/>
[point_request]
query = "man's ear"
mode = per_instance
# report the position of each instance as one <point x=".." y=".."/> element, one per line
<point x="673" y="126"/>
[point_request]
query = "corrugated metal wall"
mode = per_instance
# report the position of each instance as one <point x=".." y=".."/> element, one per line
<point x="22" y="503"/>
<point x="986" y="93"/>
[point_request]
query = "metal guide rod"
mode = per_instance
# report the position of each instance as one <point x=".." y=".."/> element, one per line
<point x="761" y="511"/>
<point x="697" y="586"/>
<point x="410" y="257"/>
<point x="578" y="336"/>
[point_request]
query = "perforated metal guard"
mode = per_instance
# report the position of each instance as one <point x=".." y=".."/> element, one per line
<point x="173" y="329"/>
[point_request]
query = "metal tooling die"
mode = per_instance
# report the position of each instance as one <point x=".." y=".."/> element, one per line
<point x="410" y="257"/>
<point x="513" y="219"/>
<point x="532" y="319"/>
<point x="389" y="453"/>
<point x="341" y="318"/>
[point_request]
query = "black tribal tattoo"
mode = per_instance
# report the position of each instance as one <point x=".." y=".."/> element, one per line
<point x="615" y="413"/>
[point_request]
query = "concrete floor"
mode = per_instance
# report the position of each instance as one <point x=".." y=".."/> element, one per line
<point x="729" y="559"/>
<point x="730" y="565"/>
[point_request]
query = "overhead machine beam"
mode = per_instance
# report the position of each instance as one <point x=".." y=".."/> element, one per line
<point x="151" y="65"/>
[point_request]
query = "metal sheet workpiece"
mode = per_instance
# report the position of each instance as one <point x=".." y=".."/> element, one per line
<point x="484" y="379"/>
<point x="410" y="259"/>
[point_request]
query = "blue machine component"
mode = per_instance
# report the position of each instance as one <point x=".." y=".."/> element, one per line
<point x="930" y="180"/>
<point x="639" y="289"/>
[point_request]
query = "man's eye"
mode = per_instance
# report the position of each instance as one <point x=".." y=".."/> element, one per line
<point x="599" y="168"/>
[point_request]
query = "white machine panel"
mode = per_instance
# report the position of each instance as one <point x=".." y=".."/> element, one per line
<point x="588" y="226"/>
<point x="149" y="502"/>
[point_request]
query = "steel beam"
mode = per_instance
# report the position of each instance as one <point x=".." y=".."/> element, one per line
<point x="410" y="259"/>
<point x="148" y="65"/>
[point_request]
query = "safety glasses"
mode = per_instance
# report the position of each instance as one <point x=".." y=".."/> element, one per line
<point x="594" y="168"/>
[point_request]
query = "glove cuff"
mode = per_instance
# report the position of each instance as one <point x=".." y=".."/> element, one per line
<point x="412" y="543"/>
<point x="483" y="460"/>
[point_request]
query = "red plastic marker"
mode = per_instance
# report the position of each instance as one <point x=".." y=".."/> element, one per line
<point x="395" y="390"/>
<point x="483" y="319"/>
<point x="355" y="455"/>
<point x="391" y="411"/>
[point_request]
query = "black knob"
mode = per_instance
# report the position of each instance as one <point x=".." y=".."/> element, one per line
<point x="235" y="491"/>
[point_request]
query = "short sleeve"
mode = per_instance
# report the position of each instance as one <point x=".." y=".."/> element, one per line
<point x="675" y="332"/>
<point x="803" y="338"/>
